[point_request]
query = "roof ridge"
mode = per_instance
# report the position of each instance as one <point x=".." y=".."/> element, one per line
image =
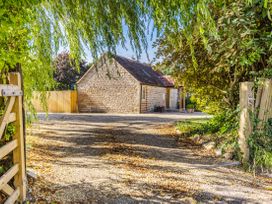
<point x="132" y="60"/>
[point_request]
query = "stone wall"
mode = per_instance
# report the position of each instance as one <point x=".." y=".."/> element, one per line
<point x="108" y="87"/>
<point x="155" y="96"/>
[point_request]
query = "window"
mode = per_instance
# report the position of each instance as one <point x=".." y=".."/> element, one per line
<point x="143" y="92"/>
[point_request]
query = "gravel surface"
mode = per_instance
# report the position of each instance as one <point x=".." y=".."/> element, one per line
<point x="103" y="158"/>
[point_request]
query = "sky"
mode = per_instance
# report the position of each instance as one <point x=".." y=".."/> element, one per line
<point x="129" y="53"/>
<point x="151" y="36"/>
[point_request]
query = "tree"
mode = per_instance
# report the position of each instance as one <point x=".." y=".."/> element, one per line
<point x="240" y="51"/>
<point x="33" y="30"/>
<point x="66" y="74"/>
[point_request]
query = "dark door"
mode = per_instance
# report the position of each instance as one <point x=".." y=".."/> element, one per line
<point x="167" y="98"/>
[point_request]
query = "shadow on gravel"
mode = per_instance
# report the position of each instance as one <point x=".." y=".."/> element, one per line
<point x="130" y="119"/>
<point x="85" y="192"/>
<point x="119" y="146"/>
<point x="99" y="142"/>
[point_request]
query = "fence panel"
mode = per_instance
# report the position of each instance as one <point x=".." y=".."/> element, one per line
<point x="57" y="102"/>
<point x="259" y="103"/>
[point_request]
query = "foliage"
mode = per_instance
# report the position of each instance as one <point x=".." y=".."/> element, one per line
<point x="9" y="131"/>
<point x="212" y="64"/>
<point x="189" y="100"/>
<point x="190" y="106"/>
<point x="212" y="67"/>
<point x="260" y="145"/>
<point x="5" y="163"/>
<point x="66" y="74"/>
<point x="221" y="129"/>
<point x="189" y="128"/>
<point x="224" y="123"/>
<point x="32" y="31"/>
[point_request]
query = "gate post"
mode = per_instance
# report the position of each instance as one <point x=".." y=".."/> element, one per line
<point x="20" y="179"/>
<point x="265" y="104"/>
<point x="245" y="127"/>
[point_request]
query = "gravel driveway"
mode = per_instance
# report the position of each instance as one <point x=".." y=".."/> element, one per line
<point x="101" y="158"/>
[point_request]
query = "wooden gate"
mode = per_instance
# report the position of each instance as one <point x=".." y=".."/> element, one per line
<point x="13" y="114"/>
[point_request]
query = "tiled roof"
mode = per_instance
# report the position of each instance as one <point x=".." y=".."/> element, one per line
<point x="144" y="73"/>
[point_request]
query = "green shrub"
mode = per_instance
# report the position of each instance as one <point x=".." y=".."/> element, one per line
<point x="190" y="106"/>
<point x="190" y="128"/>
<point x="6" y="162"/>
<point x="260" y="146"/>
<point x="222" y="129"/>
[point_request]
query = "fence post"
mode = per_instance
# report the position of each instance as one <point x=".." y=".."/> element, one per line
<point x="20" y="179"/>
<point x="265" y="103"/>
<point x="246" y="106"/>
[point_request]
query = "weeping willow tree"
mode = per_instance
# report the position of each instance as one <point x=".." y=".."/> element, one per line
<point x="32" y="31"/>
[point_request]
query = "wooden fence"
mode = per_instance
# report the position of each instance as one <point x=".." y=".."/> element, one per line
<point x="13" y="114"/>
<point x="259" y="102"/>
<point x="56" y="101"/>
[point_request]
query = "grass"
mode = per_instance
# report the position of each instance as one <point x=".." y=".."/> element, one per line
<point x="218" y="130"/>
<point x="222" y="130"/>
<point x="191" y="127"/>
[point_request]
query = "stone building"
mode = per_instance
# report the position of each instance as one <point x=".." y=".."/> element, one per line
<point x="119" y="85"/>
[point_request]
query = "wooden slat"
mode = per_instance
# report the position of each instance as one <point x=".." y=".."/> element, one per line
<point x="7" y="148"/>
<point x="7" y="189"/>
<point x="8" y="175"/>
<point x="12" y="117"/>
<point x="265" y="103"/>
<point x="5" y="118"/>
<point x="14" y="197"/>
<point x="8" y="87"/>
<point x="259" y="94"/>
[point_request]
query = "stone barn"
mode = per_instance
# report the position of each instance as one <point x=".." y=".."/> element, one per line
<point x="119" y="85"/>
